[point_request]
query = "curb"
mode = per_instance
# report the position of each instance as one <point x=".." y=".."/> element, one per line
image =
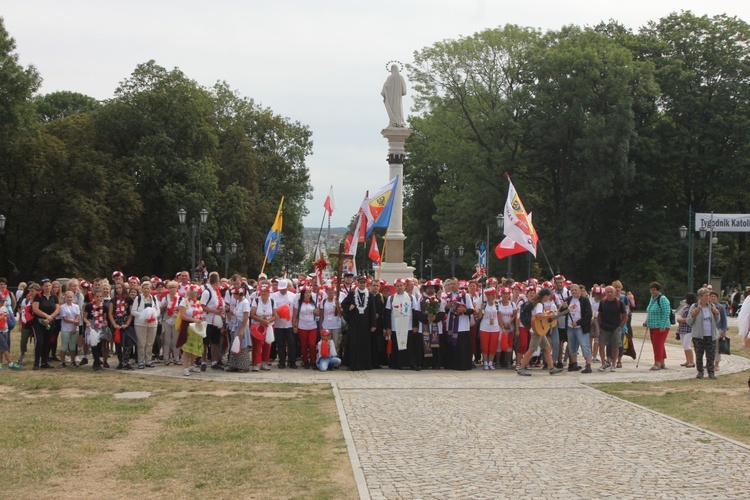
<point x="359" y="475"/>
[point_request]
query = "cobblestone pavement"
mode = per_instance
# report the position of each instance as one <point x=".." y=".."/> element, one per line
<point x="481" y="434"/>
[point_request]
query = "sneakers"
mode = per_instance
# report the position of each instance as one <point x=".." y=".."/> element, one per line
<point x="602" y="368"/>
<point x="265" y="367"/>
<point x="141" y="366"/>
<point x="14" y="366"/>
<point x="63" y="365"/>
<point x="574" y="367"/>
<point x="492" y="366"/>
<point x="84" y="361"/>
<point x="587" y="369"/>
<point x="20" y="359"/>
<point x="150" y="365"/>
<point x="217" y="367"/>
<point x="555" y="370"/>
<point x="256" y="368"/>
<point x="194" y="369"/>
<point x="186" y="372"/>
<point x="524" y="373"/>
<point x="203" y="367"/>
<point x="486" y="366"/>
<point x="700" y="375"/>
<point x="97" y="368"/>
<point x="612" y="369"/>
<point x="712" y="376"/>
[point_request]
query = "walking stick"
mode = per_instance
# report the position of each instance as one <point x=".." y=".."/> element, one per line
<point x="642" y="344"/>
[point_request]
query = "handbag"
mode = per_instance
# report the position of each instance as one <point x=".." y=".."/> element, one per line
<point x="198" y="328"/>
<point x="724" y="345"/>
<point x="236" y="349"/>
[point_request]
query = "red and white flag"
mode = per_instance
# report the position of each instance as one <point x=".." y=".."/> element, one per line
<point x="330" y="203"/>
<point x="520" y="235"/>
<point x="374" y="254"/>
<point x="350" y="244"/>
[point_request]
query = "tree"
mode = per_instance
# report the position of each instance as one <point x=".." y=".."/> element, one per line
<point x="62" y="104"/>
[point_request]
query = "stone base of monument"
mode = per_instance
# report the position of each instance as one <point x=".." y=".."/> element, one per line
<point x="389" y="271"/>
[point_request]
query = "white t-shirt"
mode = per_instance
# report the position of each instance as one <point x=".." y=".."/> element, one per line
<point x="261" y="309"/>
<point x="539" y="309"/>
<point x="279" y="299"/>
<point x="575" y="311"/>
<point x="212" y="300"/>
<point x="507" y="313"/>
<point x="70" y="312"/>
<point x="490" y="322"/>
<point x="306" y="317"/>
<point x="166" y="303"/>
<point x="240" y="308"/>
<point x="331" y="320"/>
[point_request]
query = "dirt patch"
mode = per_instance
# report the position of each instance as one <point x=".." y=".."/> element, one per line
<point x="221" y="394"/>
<point x="99" y="473"/>
<point x="42" y="393"/>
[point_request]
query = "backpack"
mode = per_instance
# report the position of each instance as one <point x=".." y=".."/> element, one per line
<point x="672" y="318"/>
<point x="526" y="310"/>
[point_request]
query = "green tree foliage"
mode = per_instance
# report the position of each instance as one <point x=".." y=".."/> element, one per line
<point x="609" y="135"/>
<point x="90" y="187"/>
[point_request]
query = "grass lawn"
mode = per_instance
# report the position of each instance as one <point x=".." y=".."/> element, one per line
<point x="721" y="405"/>
<point x="64" y="434"/>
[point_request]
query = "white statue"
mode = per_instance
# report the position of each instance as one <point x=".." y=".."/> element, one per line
<point x="394" y="89"/>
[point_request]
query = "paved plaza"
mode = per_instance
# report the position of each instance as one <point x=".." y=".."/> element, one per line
<point x="481" y="434"/>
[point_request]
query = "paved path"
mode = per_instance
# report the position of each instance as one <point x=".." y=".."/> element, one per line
<point x="494" y="434"/>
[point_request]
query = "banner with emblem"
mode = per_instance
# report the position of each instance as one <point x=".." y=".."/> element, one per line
<point x="520" y="235"/>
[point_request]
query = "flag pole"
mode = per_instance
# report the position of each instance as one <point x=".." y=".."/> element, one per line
<point x="552" y="273"/>
<point x="320" y="232"/>
<point x="382" y="254"/>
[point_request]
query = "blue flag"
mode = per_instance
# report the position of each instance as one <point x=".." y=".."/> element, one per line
<point x="273" y="240"/>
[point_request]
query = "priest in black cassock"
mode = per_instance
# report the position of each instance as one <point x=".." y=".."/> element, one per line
<point x="359" y="313"/>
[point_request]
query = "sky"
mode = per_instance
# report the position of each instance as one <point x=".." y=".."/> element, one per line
<point x="321" y="63"/>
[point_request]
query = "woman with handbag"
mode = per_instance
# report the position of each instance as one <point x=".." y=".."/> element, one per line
<point x="703" y="317"/>
<point x="240" y="361"/>
<point x="189" y="339"/>
<point x="170" y="307"/>
<point x="145" y="315"/>
<point x="262" y="315"/>
<point x="684" y="331"/>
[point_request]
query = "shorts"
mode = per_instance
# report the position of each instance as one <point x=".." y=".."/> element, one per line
<point x="69" y="341"/>
<point x="213" y="335"/>
<point x="5" y="341"/>
<point x="538" y="341"/>
<point x="612" y="338"/>
<point x="594" y="333"/>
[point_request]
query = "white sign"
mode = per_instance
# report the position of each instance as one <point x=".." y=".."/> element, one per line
<point x="728" y="223"/>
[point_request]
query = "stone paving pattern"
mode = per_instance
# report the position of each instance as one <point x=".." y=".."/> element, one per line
<point x="480" y="434"/>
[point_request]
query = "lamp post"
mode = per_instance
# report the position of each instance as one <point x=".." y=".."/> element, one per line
<point x="229" y="252"/>
<point x="195" y="232"/>
<point x="2" y="224"/>
<point x="711" y="241"/>
<point x="428" y="262"/>
<point x="452" y="256"/>
<point x="689" y="234"/>
<point x="421" y="263"/>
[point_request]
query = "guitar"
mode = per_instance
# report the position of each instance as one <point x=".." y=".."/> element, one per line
<point x="542" y="325"/>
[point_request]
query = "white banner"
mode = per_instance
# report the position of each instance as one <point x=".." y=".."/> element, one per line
<point x="728" y="223"/>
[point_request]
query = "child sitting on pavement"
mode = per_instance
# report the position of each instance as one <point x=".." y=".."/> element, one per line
<point x="326" y="352"/>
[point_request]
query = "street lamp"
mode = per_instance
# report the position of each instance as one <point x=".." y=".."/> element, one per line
<point x="421" y="263"/>
<point x="500" y="225"/>
<point x="428" y="263"/>
<point x="689" y="233"/>
<point x="452" y="256"/>
<point x="2" y="224"/>
<point x="230" y="252"/>
<point x="195" y="233"/>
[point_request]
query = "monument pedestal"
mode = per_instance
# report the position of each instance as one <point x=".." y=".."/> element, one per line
<point x="393" y="265"/>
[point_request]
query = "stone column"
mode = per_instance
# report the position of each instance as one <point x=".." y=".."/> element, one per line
<point x="393" y="265"/>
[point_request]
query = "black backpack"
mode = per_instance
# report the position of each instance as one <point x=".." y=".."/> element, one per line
<point x="526" y="311"/>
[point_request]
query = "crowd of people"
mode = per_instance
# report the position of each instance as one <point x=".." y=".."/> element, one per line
<point x="243" y="325"/>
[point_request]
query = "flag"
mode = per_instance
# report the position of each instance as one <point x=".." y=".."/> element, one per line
<point x="350" y="246"/>
<point x="273" y="240"/>
<point x="374" y="254"/>
<point x="330" y="203"/>
<point x="482" y="255"/>
<point x="377" y="208"/>
<point x="520" y="235"/>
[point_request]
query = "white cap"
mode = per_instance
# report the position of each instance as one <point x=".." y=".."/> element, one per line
<point x="282" y="284"/>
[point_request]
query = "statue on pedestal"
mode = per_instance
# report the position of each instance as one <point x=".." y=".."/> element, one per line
<point x="394" y="89"/>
